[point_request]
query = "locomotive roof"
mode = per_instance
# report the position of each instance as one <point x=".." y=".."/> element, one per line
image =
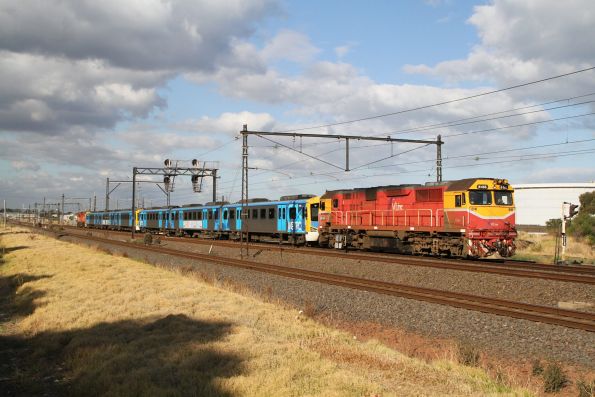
<point x="463" y="184"/>
<point x="361" y="189"/>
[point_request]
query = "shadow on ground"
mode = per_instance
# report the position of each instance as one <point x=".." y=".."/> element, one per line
<point x="13" y="304"/>
<point x="8" y="250"/>
<point x="174" y="355"/>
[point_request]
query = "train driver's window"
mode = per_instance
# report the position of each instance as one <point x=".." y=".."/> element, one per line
<point x="322" y="205"/>
<point x="335" y="203"/>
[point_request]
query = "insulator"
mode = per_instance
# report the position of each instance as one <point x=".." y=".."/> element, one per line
<point x="167" y="163"/>
<point x="195" y="163"/>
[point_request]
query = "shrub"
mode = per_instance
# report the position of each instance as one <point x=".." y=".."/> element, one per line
<point x="553" y="225"/>
<point x="537" y="368"/>
<point x="586" y="389"/>
<point x="468" y="355"/>
<point x="554" y="379"/>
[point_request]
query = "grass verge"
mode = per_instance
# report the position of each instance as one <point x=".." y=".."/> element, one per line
<point x="76" y="321"/>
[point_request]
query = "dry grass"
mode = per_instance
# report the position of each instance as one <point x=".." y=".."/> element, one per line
<point x="541" y="247"/>
<point x="77" y="321"/>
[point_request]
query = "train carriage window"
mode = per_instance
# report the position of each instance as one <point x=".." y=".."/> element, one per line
<point x="225" y="214"/>
<point x="254" y="214"/>
<point x="480" y="197"/>
<point x="216" y="214"/>
<point x="271" y="213"/>
<point x="314" y="212"/>
<point x="284" y="213"/>
<point x="263" y="213"/>
<point x="503" y="198"/>
<point x="322" y="206"/>
<point x="292" y="213"/>
<point x="280" y="212"/>
<point x="232" y="213"/>
<point x="458" y="201"/>
<point x="199" y="215"/>
<point x="210" y="214"/>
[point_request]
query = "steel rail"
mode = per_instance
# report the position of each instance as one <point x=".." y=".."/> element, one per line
<point x="576" y="274"/>
<point x="536" y="313"/>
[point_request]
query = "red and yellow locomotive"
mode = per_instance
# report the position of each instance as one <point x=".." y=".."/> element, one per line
<point x="469" y="217"/>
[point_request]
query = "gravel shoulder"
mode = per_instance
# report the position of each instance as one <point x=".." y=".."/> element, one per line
<point x="502" y="336"/>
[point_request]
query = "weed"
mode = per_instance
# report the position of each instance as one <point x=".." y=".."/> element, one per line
<point x="537" y="368"/>
<point x="268" y="293"/>
<point x="586" y="389"/>
<point x="536" y="247"/>
<point x="554" y="378"/>
<point x="468" y="355"/>
<point x="310" y="309"/>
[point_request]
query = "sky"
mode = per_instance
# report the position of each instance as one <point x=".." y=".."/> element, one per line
<point x="89" y="90"/>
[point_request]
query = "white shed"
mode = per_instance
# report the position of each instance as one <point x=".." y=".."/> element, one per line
<point x="536" y="203"/>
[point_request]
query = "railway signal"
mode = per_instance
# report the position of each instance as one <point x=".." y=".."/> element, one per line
<point x="572" y="210"/>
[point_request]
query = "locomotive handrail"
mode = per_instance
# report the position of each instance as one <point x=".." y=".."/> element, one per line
<point x="351" y="217"/>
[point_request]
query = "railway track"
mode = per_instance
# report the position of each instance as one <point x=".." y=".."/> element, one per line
<point x="544" y="314"/>
<point x="576" y="274"/>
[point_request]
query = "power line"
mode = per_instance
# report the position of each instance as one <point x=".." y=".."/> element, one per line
<point x="441" y="103"/>
<point x="547" y="155"/>
<point x="520" y="125"/>
<point x="465" y="120"/>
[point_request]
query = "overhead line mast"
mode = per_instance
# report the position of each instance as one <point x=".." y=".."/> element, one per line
<point x="245" y="132"/>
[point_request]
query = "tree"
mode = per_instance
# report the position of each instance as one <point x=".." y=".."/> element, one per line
<point x="583" y="225"/>
<point x="553" y="225"/>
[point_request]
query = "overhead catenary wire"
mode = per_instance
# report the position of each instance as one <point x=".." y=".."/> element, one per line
<point x="543" y="155"/>
<point x="454" y="157"/>
<point x="450" y="123"/>
<point x="441" y="103"/>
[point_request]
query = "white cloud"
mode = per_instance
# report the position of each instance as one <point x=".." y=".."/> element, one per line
<point x="566" y="174"/>
<point x="291" y="46"/>
<point x="88" y="65"/>
<point x="228" y="123"/>
<point x="523" y="41"/>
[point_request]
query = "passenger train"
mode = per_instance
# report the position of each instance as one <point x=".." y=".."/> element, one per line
<point x="465" y="218"/>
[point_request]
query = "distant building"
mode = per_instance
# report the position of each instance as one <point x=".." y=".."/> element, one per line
<point x="536" y="203"/>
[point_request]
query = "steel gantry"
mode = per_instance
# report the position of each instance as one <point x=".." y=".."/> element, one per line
<point x="245" y="132"/>
<point x="197" y="172"/>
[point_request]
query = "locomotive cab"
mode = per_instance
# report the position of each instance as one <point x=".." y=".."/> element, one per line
<point x="484" y="211"/>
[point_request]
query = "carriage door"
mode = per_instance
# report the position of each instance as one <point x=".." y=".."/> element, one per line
<point x="239" y="217"/>
<point x="300" y="217"/>
<point x="225" y="218"/>
<point x="216" y="218"/>
<point x="291" y="217"/>
<point x="282" y="218"/>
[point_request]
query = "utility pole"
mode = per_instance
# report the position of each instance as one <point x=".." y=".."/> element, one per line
<point x="62" y="215"/>
<point x="44" y="212"/>
<point x="133" y="201"/>
<point x="4" y="204"/>
<point x="107" y="195"/>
